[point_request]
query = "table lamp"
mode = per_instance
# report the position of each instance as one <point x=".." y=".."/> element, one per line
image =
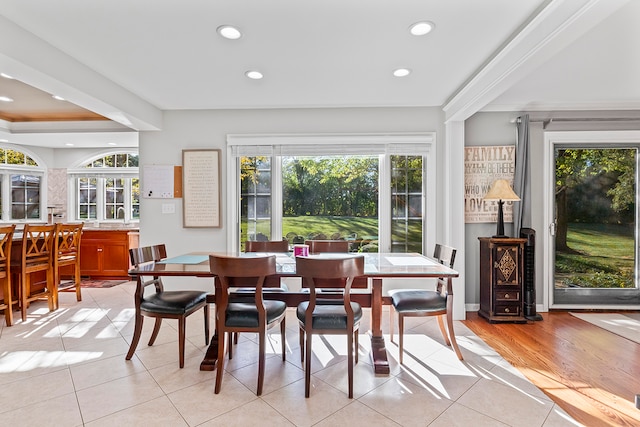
<point x="501" y="190"/>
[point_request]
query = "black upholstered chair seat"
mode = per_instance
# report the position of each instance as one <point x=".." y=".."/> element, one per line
<point x="418" y="300"/>
<point x="173" y="302"/>
<point x="243" y="315"/>
<point x="329" y="315"/>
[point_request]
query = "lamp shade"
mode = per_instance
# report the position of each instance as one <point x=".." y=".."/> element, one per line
<point x="501" y="190"/>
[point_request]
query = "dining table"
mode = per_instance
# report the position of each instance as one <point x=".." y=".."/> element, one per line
<point x="378" y="266"/>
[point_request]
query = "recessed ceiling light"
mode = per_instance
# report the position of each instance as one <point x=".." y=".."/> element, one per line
<point x="5" y="99"/>
<point x="229" y="32"/>
<point x="4" y="140"/>
<point x="401" y="72"/>
<point x="58" y="97"/>
<point x="112" y="143"/>
<point x="421" y="28"/>
<point x="254" y="75"/>
<point x="69" y="144"/>
<point x="6" y="76"/>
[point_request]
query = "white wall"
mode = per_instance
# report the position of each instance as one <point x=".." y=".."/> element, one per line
<point x="208" y="129"/>
<point x="484" y="129"/>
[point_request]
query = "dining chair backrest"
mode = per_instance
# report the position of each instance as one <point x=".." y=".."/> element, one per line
<point x="334" y="246"/>
<point x="327" y="246"/>
<point x="6" y="237"/>
<point x="147" y="254"/>
<point x="227" y="268"/>
<point x="338" y="272"/>
<point x="445" y="255"/>
<point x="266" y="246"/>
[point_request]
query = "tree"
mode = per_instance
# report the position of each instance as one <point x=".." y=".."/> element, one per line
<point x="577" y="167"/>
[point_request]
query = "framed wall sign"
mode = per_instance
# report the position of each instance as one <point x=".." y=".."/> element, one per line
<point x="201" y="188"/>
<point x="482" y="166"/>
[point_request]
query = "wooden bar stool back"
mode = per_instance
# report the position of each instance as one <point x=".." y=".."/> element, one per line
<point x="6" y="237"/>
<point x="67" y="254"/>
<point x="36" y="255"/>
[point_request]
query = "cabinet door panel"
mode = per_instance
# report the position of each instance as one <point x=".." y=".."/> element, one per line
<point x="90" y="257"/>
<point x="507" y="265"/>
<point x="114" y="259"/>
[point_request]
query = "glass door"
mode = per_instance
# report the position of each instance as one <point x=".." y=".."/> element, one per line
<point x="595" y="226"/>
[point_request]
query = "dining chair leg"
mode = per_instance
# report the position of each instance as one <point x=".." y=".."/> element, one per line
<point x="220" y="361"/>
<point x="302" y="338"/>
<point x="137" y="331"/>
<point x="156" y="329"/>
<point x="181" y="338"/>
<point x="307" y="365"/>
<point x="392" y="313"/>
<point x="356" y="345"/>
<point x="443" y="331"/>
<point x="350" y="362"/>
<point x="400" y="336"/>
<point x="207" y="312"/>
<point x="283" y="339"/>
<point x="231" y="335"/>
<point x="452" y="335"/>
<point x="262" y="336"/>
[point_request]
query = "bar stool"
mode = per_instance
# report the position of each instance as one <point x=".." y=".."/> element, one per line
<point x="36" y="255"/>
<point x="67" y="253"/>
<point x="6" y="237"/>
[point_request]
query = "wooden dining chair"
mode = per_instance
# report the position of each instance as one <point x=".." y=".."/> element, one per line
<point x="67" y="255"/>
<point x="425" y="302"/>
<point x="162" y="304"/>
<point x="334" y="246"/>
<point x="329" y="316"/>
<point x="36" y="255"/>
<point x="327" y="246"/>
<point x="252" y="313"/>
<point x="266" y="246"/>
<point x="6" y="238"/>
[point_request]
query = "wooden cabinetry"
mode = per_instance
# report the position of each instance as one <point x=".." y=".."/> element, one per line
<point x="104" y="254"/>
<point x="501" y="267"/>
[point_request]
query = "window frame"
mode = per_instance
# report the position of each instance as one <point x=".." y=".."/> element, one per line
<point x="102" y="174"/>
<point x="382" y="145"/>
<point x="6" y="170"/>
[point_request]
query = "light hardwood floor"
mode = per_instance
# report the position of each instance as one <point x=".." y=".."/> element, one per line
<point x="591" y="373"/>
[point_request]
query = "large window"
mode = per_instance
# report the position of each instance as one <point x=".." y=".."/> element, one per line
<point x="21" y="179"/>
<point x="108" y="188"/>
<point x="371" y="194"/>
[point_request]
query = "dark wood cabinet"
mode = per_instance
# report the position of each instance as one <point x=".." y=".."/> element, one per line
<point x="501" y="279"/>
<point x="104" y="254"/>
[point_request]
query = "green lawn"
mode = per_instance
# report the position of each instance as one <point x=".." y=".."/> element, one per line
<point x="601" y="256"/>
<point x="305" y="225"/>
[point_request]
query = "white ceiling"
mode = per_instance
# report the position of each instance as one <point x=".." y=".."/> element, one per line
<point x="130" y="60"/>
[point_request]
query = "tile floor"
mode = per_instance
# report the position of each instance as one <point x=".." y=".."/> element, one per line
<point x="67" y="368"/>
